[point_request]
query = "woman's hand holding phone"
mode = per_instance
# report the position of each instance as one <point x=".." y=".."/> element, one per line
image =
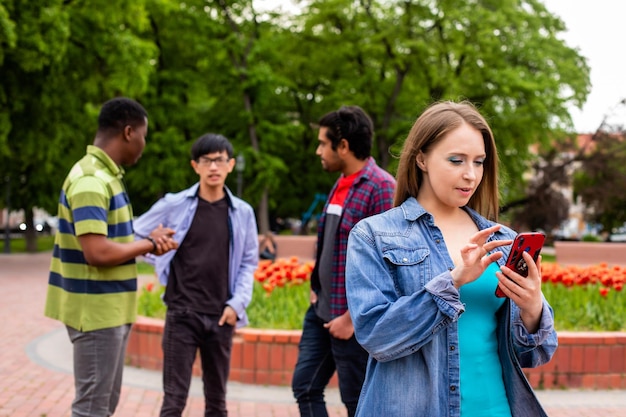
<point x="520" y="279"/>
<point x="530" y="243"/>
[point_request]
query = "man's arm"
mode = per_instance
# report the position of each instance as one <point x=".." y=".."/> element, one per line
<point x="101" y="251"/>
<point x="242" y="293"/>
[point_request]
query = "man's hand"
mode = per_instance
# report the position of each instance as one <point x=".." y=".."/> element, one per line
<point x="341" y="327"/>
<point x="163" y="237"/>
<point x="229" y="316"/>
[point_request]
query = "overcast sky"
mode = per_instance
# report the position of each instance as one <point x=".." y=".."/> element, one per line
<point x="597" y="29"/>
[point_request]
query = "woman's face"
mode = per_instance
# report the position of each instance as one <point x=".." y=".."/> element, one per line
<point x="452" y="169"/>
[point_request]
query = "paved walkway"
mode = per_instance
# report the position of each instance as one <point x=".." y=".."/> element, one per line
<point x="36" y="379"/>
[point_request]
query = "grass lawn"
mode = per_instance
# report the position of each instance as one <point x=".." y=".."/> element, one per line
<point x="144" y="268"/>
<point x="44" y="243"/>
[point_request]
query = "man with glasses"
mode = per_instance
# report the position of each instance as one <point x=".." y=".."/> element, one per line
<point x="363" y="189"/>
<point x="208" y="278"/>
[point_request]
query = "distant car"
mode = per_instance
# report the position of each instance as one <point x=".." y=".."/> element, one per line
<point x="617" y="237"/>
<point x="40" y="227"/>
<point x="618" y="234"/>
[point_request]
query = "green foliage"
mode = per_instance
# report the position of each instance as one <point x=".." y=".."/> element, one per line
<point x="45" y="243"/>
<point x="283" y="308"/>
<point x="150" y="302"/>
<point x="591" y="238"/>
<point x="144" y="268"/>
<point x="576" y="308"/>
<point x="66" y="58"/>
<point x="601" y="180"/>
<point x="394" y="58"/>
<point x="582" y="308"/>
<point x="262" y="79"/>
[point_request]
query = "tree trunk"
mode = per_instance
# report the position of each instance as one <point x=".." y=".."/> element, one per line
<point x="263" y="221"/>
<point x="31" y="234"/>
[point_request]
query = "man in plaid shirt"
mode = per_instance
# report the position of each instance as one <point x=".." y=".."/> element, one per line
<point x="363" y="189"/>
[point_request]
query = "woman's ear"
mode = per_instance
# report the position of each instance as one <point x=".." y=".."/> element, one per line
<point x="420" y="160"/>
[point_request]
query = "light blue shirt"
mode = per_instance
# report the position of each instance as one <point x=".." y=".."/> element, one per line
<point x="177" y="210"/>
<point x="405" y="311"/>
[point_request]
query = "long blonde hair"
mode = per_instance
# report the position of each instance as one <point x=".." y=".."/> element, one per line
<point x="431" y="127"/>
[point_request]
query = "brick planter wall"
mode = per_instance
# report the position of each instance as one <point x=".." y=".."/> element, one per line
<point x="264" y="357"/>
<point x="591" y="360"/>
<point x="594" y="360"/>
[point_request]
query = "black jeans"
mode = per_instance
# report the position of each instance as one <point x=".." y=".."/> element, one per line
<point x="319" y="356"/>
<point x="185" y="332"/>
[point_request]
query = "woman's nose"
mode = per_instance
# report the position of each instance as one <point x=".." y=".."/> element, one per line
<point x="470" y="173"/>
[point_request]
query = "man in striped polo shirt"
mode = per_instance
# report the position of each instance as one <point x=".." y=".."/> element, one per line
<point x="93" y="277"/>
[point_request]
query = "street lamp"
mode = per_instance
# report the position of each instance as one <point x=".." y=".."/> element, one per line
<point x="240" y="165"/>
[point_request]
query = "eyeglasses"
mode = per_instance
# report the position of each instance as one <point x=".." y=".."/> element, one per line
<point x="220" y="161"/>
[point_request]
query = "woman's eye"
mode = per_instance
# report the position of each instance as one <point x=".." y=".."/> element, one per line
<point x="456" y="161"/>
<point x="479" y="162"/>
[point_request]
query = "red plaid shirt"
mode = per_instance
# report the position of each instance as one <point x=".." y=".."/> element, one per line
<point x="371" y="193"/>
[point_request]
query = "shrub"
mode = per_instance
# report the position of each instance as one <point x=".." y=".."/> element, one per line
<point x="150" y="302"/>
<point x="583" y="298"/>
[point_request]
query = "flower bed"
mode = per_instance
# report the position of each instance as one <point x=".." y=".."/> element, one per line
<point x="584" y="298"/>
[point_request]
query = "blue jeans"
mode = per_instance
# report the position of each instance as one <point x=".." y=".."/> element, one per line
<point x="319" y="356"/>
<point x="98" y="367"/>
<point x="185" y="332"/>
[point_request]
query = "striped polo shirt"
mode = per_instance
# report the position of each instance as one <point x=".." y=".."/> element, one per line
<point x="93" y="200"/>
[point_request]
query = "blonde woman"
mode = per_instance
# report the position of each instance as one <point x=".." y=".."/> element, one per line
<point x="420" y="281"/>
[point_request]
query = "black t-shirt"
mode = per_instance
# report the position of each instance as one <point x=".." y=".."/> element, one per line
<point x="198" y="278"/>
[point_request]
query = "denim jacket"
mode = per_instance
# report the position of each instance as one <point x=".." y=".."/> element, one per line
<point x="405" y="311"/>
<point x="177" y="210"/>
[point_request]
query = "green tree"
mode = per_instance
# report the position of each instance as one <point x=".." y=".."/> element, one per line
<point x="601" y="180"/>
<point x="214" y="73"/>
<point x="262" y="79"/>
<point x="60" y="61"/>
<point x="396" y="57"/>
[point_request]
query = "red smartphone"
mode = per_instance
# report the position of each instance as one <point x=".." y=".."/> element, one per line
<point x="530" y="242"/>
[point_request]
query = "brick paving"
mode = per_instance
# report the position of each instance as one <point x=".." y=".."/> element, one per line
<point x="30" y="388"/>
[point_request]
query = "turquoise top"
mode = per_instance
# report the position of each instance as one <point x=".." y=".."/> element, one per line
<point x="482" y="387"/>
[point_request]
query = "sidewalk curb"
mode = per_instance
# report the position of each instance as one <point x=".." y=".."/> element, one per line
<point x="54" y="351"/>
